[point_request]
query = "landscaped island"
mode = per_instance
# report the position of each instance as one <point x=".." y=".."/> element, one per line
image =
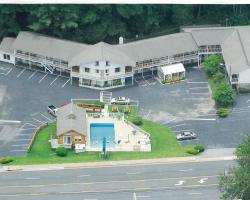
<point x="163" y="144"/>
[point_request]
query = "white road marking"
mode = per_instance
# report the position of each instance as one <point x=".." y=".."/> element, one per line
<point x="168" y="121"/>
<point x="32" y="75"/>
<point x="248" y="101"/>
<point x="202" y="119"/>
<point x="42" y="78"/>
<point x="90" y="199"/>
<point x="18" y="150"/>
<point x="54" y="80"/>
<point x="10" y="121"/>
<point x="143" y="196"/>
<point x="180" y="183"/>
<point x="25" y="129"/>
<point x="185" y="170"/>
<point x="196" y="88"/>
<point x="46" y="117"/>
<point x="132" y="173"/>
<point x="84" y="175"/>
<point x="195" y="193"/>
<point x="202" y="180"/>
<point x="177" y="125"/>
<point x="65" y="83"/>
<point x="200" y="93"/>
<point x="196" y="82"/>
<point x="19" y="145"/>
<point x="8" y="71"/>
<point x="21" y="73"/>
<point x="32" y="178"/>
<point x="35" y="119"/>
<point x="22" y="139"/>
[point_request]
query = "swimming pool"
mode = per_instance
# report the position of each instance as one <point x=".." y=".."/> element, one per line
<point x="100" y="130"/>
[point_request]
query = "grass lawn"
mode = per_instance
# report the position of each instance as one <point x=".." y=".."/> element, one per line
<point x="164" y="144"/>
<point x="121" y="108"/>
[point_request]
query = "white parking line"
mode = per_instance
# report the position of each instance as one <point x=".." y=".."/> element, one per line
<point x="46" y="117"/>
<point x="32" y="178"/>
<point x="196" y="88"/>
<point x="65" y="83"/>
<point x="19" y="145"/>
<point x="18" y="150"/>
<point x="20" y="73"/>
<point x="54" y="80"/>
<point x="42" y="78"/>
<point x="32" y="75"/>
<point x="8" y="72"/>
<point x="177" y="125"/>
<point x="22" y="139"/>
<point x="37" y="120"/>
<point x="196" y="82"/>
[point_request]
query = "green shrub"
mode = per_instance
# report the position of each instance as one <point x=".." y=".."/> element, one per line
<point x="61" y="151"/>
<point x="212" y="65"/>
<point x="199" y="148"/>
<point x="137" y="120"/>
<point x="6" y="160"/>
<point x="192" y="151"/>
<point x="223" y="112"/>
<point x="224" y="95"/>
<point x="219" y="77"/>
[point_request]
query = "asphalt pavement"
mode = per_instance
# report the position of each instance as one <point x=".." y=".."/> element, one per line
<point x="25" y="95"/>
<point x="196" y="180"/>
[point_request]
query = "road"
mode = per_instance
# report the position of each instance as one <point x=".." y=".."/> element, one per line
<point x="194" y="180"/>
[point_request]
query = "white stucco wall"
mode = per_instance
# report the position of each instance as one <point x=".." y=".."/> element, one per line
<point x="12" y="58"/>
<point x="102" y="66"/>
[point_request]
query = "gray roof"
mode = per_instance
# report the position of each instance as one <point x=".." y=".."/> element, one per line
<point x="211" y="35"/>
<point x="233" y="54"/>
<point x="157" y="47"/>
<point x="101" y="52"/>
<point x="47" y="46"/>
<point x="6" y="45"/>
<point x="71" y="118"/>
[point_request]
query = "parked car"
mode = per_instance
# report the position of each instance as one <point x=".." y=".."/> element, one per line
<point x="120" y="101"/>
<point x="52" y="110"/>
<point x="186" y="135"/>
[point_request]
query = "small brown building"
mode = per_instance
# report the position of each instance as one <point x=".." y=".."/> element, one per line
<point x="71" y="125"/>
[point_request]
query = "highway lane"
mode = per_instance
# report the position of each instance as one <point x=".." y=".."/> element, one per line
<point x="192" y="180"/>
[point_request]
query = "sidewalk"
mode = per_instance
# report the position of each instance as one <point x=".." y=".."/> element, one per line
<point x="208" y="155"/>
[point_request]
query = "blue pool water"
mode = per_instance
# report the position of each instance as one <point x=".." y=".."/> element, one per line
<point x="100" y="130"/>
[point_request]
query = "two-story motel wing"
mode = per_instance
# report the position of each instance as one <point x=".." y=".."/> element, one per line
<point x="105" y="66"/>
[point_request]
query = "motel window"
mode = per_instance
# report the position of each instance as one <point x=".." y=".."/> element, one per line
<point x="6" y="56"/>
<point x="107" y="63"/>
<point x="67" y="139"/>
<point x="97" y="71"/>
<point x="87" y="69"/>
<point x="96" y="63"/>
<point x="117" y="69"/>
<point x="78" y="139"/>
<point x="106" y="71"/>
<point x="75" y="69"/>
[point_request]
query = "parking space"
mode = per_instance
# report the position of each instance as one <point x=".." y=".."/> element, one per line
<point x="34" y="76"/>
<point x="145" y="80"/>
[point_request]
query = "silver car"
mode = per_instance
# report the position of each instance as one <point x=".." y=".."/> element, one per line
<point x="186" y="135"/>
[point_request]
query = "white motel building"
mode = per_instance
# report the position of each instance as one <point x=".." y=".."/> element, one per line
<point x="105" y="66"/>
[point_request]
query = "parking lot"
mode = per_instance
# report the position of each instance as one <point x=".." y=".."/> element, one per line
<point x="187" y="105"/>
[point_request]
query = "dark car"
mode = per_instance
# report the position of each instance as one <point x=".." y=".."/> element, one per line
<point x="52" y="110"/>
<point x="186" y="135"/>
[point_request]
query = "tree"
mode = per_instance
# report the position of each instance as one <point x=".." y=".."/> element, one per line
<point x="224" y="95"/>
<point x="213" y="64"/>
<point x="182" y="14"/>
<point x="236" y="184"/>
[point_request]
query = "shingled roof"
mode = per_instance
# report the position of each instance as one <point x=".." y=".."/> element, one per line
<point x="71" y="118"/>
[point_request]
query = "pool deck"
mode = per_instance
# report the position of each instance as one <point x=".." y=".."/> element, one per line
<point x="129" y="141"/>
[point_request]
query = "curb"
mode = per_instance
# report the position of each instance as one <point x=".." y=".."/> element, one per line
<point x="102" y="164"/>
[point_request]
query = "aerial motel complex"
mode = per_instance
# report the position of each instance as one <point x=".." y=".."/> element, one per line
<point x="105" y="66"/>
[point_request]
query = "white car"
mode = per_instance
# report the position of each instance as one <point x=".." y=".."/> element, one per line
<point x="120" y="100"/>
<point x="186" y="135"/>
<point x="52" y="110"/>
